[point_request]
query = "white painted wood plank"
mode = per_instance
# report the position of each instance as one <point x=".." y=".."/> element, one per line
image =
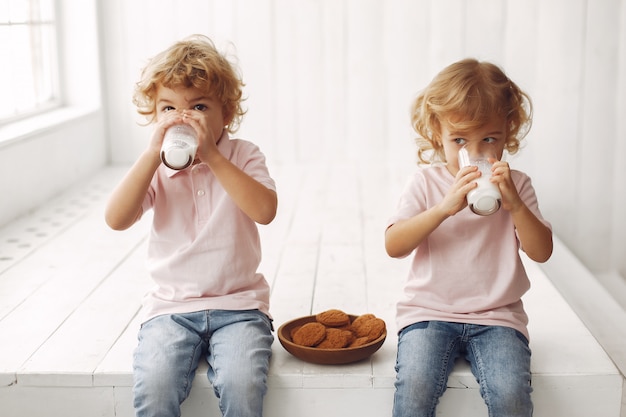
<point x="306" y="223"/>
<point x="18" y="401"/>
<point x="23" y="236"/>
<point x="84" y="338"/>
<point x="115" y="369"/>
<point x="348" y="376"/>
<point x="618" y="234"/>
<point x="365" y="130"/>
<point x="447" y="29"/>
<point x="193" y="17"/>
<point x="256" y="65"/>
<point x="292" y="292"/>
<point x="288" y="179"/>
<point x="343" y="288"/>
<point x="223" y="20"/>
<point x="520" y="40"/>
<point x="285" y="142"/>
<point x="598" y="120"/>
<point x="593" y="304"/>
<point x="343" y="210"/>
<point x="71" y="276"/>
<point x="286" y="371"/>
<point x="553" y="364"/>
<point x="405" y="35"/>
<point x="334" y="85"/>
<point x="335" y="402"/>
<point x="552" y="326"/>
<point x="484" y="30"/>
<point x="307" y="64"/>
<point x="330" y="402"/>
<point x="560" y="32"/>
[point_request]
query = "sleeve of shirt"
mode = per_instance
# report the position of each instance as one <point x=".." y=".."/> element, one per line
<point x="527" y="193"/>
<point x="412" y="201"/>
<point x="249" y="158"/>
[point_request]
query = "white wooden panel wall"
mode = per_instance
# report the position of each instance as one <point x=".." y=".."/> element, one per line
<point x="333" y="79"/>
<point x="618" y="192"/>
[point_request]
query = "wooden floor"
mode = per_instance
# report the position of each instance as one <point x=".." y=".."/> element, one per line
<point x="70" y="292"/>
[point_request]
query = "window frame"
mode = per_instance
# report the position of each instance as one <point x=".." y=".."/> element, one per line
<point x="79" y="67"/>
<point x="45" y="68"/>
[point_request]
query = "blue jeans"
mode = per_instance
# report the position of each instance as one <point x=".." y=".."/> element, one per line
<point x="499" y="358"/>
<point x="237" y="345"/>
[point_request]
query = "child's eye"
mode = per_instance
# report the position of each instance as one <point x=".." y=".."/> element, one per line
<point x="199" y="107"/>
<point x="490" y="140"/>
<point x="168" y="108"/>
<point x="459" y="141"/>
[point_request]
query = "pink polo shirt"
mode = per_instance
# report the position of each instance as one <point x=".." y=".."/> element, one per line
<point x="203" y="250"/>
<point x="468" y="270"/>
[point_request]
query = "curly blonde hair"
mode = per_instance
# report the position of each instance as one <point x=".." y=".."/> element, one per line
<point x="472" y="92"/>
<point x="192" y="62"/>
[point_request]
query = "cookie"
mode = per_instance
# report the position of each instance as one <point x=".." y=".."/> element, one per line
<point x="333" y="318"/>
<point x="310" y="334"/>
<point x="363" y="318"/>
<point x="359" y="341"/>
<point x="336" y="339"/>
<point x="293" y="331"/>
<point x="368" y="326"/>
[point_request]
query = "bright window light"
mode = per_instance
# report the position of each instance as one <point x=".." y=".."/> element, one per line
<point x="29" y="72"/>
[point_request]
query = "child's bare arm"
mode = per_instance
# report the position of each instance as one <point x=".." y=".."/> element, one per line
<point x="535" y="237"/>
<point x="404" y="236"/>
<point x="124" y="206"/>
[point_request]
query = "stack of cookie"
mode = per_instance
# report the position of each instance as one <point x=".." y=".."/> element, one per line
<point x="333" y="329"/>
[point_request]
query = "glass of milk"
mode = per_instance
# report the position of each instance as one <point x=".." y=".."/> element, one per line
<point x="179" y="146"/>
<point x="486" y="198"/>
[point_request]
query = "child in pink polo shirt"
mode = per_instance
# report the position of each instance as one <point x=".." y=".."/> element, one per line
<point x="464" y="288"/>
<point x="204" y="249"/>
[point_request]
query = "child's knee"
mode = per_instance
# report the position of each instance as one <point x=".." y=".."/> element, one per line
<point x="241" y="379"/>
<point x="510" y="398"/>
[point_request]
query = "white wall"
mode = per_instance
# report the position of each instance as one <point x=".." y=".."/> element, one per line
<point x="42" y="156"/>
<point x="332" y="79"/>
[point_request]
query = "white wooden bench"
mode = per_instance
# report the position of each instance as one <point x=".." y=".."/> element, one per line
<point x="70" y="291"/>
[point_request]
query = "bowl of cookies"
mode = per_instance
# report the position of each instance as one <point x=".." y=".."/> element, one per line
<point x="333" y="337"/>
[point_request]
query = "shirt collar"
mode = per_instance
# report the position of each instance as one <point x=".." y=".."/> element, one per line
<point x="223" y="145"/>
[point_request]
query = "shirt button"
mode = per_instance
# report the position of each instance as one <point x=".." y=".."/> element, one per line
<point x="200" y="193"/>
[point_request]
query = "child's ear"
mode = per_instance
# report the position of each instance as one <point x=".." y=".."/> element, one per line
<point x="228" y="117"/>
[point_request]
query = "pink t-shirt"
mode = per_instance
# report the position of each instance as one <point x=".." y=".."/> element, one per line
<point x="203" y="250"/>
<point x="468" y="270"/>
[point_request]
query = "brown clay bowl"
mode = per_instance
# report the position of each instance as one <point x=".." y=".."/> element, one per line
<point x="325" y="356"/>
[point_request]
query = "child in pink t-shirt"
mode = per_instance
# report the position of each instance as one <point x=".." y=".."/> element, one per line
<point x="464" y="289"/>
<point x="209" y="300"/>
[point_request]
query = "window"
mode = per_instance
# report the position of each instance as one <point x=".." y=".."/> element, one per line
<point x="28" y="74"/>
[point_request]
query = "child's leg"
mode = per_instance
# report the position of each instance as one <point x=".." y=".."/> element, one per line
<point x="238" y="356"/>
<point x="426" y="355"/>
<point x="500" y="359"/>
<point x="165" y="363"/>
